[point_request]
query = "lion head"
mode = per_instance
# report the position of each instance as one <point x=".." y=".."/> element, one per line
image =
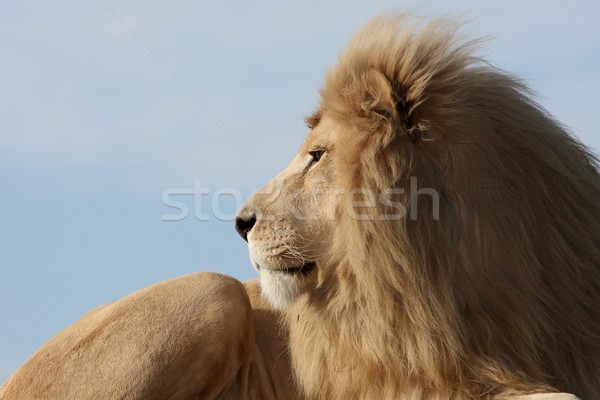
<point x="438" y="233"/>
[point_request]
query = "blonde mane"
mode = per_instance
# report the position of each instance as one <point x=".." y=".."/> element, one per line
<point x="503" y="291"/>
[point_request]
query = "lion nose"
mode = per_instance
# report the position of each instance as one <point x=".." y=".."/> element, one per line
<point x="243" y="225"/>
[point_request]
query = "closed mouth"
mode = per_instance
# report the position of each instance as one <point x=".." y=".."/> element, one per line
<point x="302" y="269"/>
<point x="295" y="270"/>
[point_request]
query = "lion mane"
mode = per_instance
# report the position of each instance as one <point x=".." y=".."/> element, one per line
<point x="503" y="291"/>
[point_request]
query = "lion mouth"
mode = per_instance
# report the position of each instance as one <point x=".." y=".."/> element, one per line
<point x="303" y="269"/>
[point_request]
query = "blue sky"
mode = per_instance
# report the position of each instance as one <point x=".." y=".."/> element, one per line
<point x="95" y="125"/>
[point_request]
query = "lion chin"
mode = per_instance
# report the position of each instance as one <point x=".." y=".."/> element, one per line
<point x="281" y="289"/>
<point x="281" y="285"/>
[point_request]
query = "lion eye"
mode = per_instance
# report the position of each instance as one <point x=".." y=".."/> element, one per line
<point x="316" y="155"/>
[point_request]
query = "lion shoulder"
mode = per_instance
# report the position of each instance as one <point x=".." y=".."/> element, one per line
<point x="185" y="335"/>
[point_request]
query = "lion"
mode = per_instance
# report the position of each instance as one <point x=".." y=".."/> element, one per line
<point x="437" y="236"/>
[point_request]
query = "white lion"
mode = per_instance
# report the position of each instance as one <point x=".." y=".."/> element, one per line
<point x="488" y="288"/>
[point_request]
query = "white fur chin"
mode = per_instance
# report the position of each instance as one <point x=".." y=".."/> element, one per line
<point x="281" y="290"/>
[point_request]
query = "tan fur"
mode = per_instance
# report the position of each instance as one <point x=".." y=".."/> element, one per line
<point x="498" y="298"/>
<point x="202" y="336"/>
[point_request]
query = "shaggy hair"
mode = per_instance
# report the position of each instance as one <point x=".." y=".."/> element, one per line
<point x="502" y="293"/>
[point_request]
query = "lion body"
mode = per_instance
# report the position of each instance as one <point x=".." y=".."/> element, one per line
<point x="484" y="283"/>
<point x="201" y="336"/>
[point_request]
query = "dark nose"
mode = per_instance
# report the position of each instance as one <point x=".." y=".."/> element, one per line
<point x="243" y="225"/>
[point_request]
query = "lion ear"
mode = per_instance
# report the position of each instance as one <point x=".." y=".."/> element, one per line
<point x="379" y="96"/>
<point x="382" y="98"/>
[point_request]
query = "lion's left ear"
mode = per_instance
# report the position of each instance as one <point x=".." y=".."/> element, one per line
<point x="387" y="100"/>
<point x="379" y="96"/>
